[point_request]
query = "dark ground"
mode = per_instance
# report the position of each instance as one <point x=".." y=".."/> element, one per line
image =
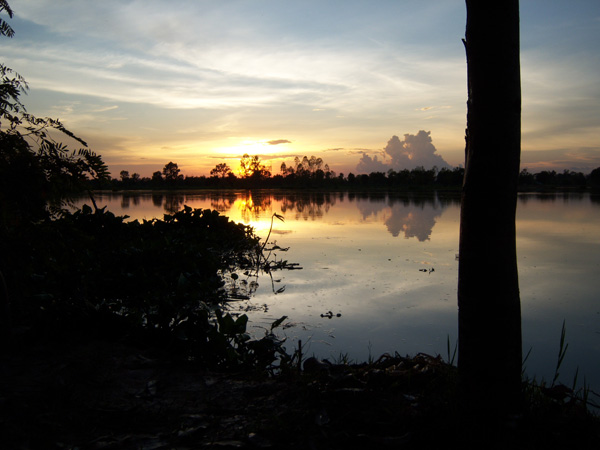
<point x="94" y="394"/>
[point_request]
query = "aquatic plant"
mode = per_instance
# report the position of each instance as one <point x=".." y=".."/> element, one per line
<point x="165" y="276"/>
<point x="539" y="394"/>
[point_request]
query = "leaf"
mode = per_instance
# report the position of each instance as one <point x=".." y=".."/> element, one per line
<point x="240" y="324"/>
<point x="6" y="29"/>
<point x="278" y="322"/>
<point x="182" y="281"/>
<point x="226" y="323"/>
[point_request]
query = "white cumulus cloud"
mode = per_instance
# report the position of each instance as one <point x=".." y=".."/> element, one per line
<point x="411" y="152"/>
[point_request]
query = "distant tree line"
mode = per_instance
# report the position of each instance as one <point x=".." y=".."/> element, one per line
<point x="313" y="172"/>
<point x="564" y="179"/>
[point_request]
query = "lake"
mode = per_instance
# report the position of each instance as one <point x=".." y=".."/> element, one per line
<point x="379" y="271"/>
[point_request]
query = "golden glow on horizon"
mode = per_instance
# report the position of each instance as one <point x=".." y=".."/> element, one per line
<point x="251" y="147"/>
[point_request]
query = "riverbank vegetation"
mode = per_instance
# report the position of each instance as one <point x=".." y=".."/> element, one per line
<point x="314" y="173"/>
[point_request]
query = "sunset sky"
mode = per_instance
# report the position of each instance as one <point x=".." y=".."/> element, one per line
<point x="146" y="82"/>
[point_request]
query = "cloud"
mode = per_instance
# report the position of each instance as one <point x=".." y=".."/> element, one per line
<point x="582" y="159"/>
<point x="107" y="108"/>
<point x="279" y="141"/>
<point x="189" y="60"/>
<point x="368" y="164"/>
<point x="411" y="152"/>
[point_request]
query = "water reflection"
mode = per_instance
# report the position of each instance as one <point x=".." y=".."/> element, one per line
<point x="224" y="202"/>
<point x="253" y="208"/>
<point x="356" y="264"/>
<point x="412" y="216"/>
<point x="157" y="200"/>
<point x="307" y="206"/>
<point x="413" y="221"/>
<point x="173" y="203"/>
<point x="552" y="197"/>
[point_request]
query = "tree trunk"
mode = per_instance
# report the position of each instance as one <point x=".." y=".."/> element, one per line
<point x="488" y="287"/>
<point x="5" y="321"/>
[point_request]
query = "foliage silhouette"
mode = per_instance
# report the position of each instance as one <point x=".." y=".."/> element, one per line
<point x="313" y="173"/>
<point x="38" y="174"/>
<point x="164" y="276"/>
<point x="251" y="167"/>
<point x="221" y="170"/>
<point x="171" y="173"/>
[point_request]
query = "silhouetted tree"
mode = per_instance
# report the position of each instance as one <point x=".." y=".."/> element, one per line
<point x="157" y="177"/>
<point x="490" y="354"/>
<point x="308" y="166"/>
<point x="547" y="178"/>
<point x="420" y="176"/>
<point x="377" y="179"/>
<point x="450" y="177"/>
<point x="38" y="175"/>
<point x="252" y="167"/>
<point x="594" y="178"/>
<point x="171" y="173"/>
<point x="570" y="178"/>
<point x="5" y="28"/>
<point x="526" y="178"/>
<point x="221" y="170"/>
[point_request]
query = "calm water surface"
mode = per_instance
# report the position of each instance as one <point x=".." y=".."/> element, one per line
<point x="387" y="264"/>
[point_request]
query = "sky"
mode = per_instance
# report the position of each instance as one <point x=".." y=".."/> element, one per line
<point x="365" y="85"/>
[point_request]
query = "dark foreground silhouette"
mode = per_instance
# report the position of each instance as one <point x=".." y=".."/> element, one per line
<point x="128" y="392"/>
<point x="121" y="340"/>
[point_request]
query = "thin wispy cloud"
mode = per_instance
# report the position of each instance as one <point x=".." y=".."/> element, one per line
<point x="209" y="61"/>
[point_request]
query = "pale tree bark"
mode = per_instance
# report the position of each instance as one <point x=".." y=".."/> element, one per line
<point x="488" y="287"/>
